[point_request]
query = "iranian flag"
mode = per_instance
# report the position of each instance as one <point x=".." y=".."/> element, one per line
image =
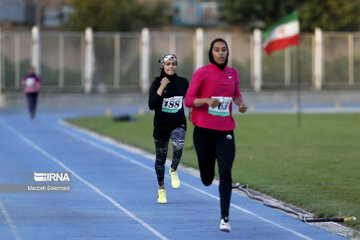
<point x="283" y="33"/>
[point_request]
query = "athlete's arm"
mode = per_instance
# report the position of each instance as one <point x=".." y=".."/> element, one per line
<point x="198" y="102"/>
<point x="240" y="102"/>
<point x="154" y="99"/>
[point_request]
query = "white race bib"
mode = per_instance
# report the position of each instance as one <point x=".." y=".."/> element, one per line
<point x="172" y="105"/>
<point x="223" y="109"/>
<point x="30" y="82"/>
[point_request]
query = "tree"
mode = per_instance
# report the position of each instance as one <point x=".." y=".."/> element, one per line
<point x="329" y="15"/>
<point x="257" y="13"/>
<point x="117" y="15"/>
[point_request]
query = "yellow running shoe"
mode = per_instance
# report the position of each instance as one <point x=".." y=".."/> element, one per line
<point x="162" y="196"/>
<point x="175" y="182"/>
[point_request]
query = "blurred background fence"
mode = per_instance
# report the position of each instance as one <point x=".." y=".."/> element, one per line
<point x="117" y="65"/>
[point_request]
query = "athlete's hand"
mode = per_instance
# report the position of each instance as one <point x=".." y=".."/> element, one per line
<point x="213" y="102"/>
<point x="165" y="81"/>
<point x="242" y="108"/>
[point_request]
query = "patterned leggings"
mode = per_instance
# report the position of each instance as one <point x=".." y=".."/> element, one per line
<point x="177" y="139"/>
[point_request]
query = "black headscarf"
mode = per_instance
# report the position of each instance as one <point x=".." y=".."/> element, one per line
<point x="211" y="57"/>
<point x="164" y="74"/>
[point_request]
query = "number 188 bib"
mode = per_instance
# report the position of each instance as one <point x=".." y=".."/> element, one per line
<point x="172" y="105"/>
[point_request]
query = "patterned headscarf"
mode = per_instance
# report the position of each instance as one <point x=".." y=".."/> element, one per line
<point x="167" y="57"/>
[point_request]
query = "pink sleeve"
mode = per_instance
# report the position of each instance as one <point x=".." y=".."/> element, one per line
<point x="38" y="83"/>
<point x="193" y="89"/>
<point x="237" y="92"/>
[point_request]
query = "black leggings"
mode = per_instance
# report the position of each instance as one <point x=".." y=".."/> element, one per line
<point x="211" y="145"/>
<point x="161" y="139"/>
<point x="32" y="100"/>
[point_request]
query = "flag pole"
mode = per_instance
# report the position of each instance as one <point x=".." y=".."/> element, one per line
<point x="298" y="91"/>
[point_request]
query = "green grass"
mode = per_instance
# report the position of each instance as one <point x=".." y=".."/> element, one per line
<point x="315" y="166"/>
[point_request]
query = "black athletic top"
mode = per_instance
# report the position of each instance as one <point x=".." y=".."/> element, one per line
<point x="169" y="108"/>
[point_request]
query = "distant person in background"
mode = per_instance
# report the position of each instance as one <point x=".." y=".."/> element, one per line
<point x="32" y="83"/>
<point x="211" y="93"/>
<point x="166" y="97"/>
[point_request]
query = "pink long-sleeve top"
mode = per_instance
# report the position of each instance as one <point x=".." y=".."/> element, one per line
<point x="209" y="81"/>
<point x="32" y="83"/>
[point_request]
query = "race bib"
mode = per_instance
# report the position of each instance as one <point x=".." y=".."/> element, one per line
<point x="30" y="82"/>
<point x="223" y="109"/>
<point x="172" y="105"/>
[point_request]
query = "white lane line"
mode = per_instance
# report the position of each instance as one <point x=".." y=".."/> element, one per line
<point x="105" y="139"/>
<point x="98" y="191"/>
<point x="188" y="185"/>
<point x="271" y="222"/>
<point x="94" y="144"/>
<point x="250" y="213"/>
<point x="9" y="221"/>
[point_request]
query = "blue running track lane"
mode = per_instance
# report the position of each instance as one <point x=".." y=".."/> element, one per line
<point x="114" y="192"/>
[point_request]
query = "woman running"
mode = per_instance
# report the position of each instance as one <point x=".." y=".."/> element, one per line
<point x="212" y="90"/>
<point x="166" y="97"/>
<point x="32" y="84"/>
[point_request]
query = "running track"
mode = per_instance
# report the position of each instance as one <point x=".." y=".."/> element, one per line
<point x="114" y="191"/>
